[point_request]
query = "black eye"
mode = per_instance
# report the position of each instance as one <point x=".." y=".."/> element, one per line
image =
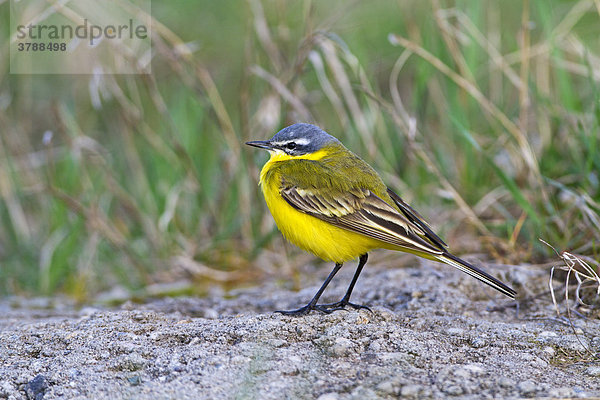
<point x="290" y="145"/>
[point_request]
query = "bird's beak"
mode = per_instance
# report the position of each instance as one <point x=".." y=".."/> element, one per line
<point x="261" y="144"/>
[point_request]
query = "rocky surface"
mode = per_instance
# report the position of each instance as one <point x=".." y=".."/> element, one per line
<point x="433" y="333"/>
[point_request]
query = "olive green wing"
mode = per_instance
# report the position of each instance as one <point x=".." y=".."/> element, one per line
<point x="361" y="211"/>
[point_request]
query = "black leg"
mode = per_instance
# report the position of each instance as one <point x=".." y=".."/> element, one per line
<point x="346" y="299"/>
<point x="361" y="263"/>
<point x="312" y="305"/>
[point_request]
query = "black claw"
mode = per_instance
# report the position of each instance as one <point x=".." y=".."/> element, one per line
<point x="296" y="313"/>
<point x="324" y="308"/>
<point x="341" y="305"/>
<point x="360" y="307"/>
<point x="307" y="309"/>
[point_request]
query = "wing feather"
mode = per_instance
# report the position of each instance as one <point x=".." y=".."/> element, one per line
<point x="416" y="219"/>
<point x="361" y="211"/>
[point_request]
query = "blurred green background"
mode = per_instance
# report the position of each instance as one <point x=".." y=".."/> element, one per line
<point x="483" y="114"/>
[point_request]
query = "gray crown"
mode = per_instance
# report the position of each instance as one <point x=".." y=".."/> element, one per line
<point x="306" y="137"/>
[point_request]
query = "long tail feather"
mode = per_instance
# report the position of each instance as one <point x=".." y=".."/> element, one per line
<point x="476" y="273"/>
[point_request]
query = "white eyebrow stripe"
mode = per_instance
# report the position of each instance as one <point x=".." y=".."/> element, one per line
<point x="299" y="141"/>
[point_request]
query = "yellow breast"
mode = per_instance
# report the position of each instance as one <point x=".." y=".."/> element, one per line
<point x="324" y="240"/>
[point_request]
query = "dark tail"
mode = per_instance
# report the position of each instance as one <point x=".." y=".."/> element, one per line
<point x="476" y="273"/>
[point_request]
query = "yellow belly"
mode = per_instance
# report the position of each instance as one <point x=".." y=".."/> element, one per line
<point x="324" y="240"/>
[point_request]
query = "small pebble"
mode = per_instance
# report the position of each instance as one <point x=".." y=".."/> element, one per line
<point x="593" y="371"/>
<point x="453" y="390"/>
<point x="506" y="382"/>
<point x="478" y="342"/>
<point x="527" y="357"/>
<point x="463" y="373"/>
<point x="527" y="388"/>
<point x="130" y="362"/>
<point x="328" y="396"/>
<point x="6" y="389"/>
<point x="549" y="351"/>
<point x="375" y="346"/>
<point x="278" y="342"/>
<point x="342" y="347"/>
<point x="455" y="331"/>
<point x="595" y="343"/>
<point x="36" y="388"/>
<point x="411" y="391"/>
<point x="289" y="369"/>
<point x="211" y="313"/>
<point x="387" y="387"/>
<point x="474" y="369"/>
<point x="134" y="380"/>
<point x="561" y="393"/>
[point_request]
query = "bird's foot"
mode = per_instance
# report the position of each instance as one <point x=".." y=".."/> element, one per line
<point x="341" y="305"/>
<point x="323" y="308"/>
<point x="301" y="311"/>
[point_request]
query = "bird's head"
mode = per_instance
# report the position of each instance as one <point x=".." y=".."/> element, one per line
<point x="297" y="140"/>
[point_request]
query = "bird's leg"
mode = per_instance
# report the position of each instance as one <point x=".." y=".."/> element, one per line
<point x="340" y="305"/>
<point x="312" y="305"/>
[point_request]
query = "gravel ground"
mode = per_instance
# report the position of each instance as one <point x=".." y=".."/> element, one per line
<point x="433" y="333"/>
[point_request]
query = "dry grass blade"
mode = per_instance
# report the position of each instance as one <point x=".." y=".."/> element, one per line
<point x="470" y="88"/>
<point x="343" y="82"/>
<point x="264" y="35"/>
<point x="448" y="35"/>
<point x="561" y="30"/>
<point x="579" y="69"/>
<point x="583" y="272"/>
<point x="317" y="62"/>
<point x="397" y="99"/>
<point x="585" y="275"/>
<point x="221" y="111"/>
<point x="283" y="92"/>
<point x="409" y="126"/>
<point x="199" y="269"/>
<point x="8" y="194"/>
<point x="524" y="102"/>
<point x="497" y="61"/>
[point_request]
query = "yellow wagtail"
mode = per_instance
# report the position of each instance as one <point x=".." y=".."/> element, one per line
<point x="328" y="201"/>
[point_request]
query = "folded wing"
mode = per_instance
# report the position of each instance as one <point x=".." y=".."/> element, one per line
<point x="361" y="211"/>
<point x="414" y="217"/>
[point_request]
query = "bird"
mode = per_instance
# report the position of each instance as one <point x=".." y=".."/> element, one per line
<point x="329" y="202"/>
